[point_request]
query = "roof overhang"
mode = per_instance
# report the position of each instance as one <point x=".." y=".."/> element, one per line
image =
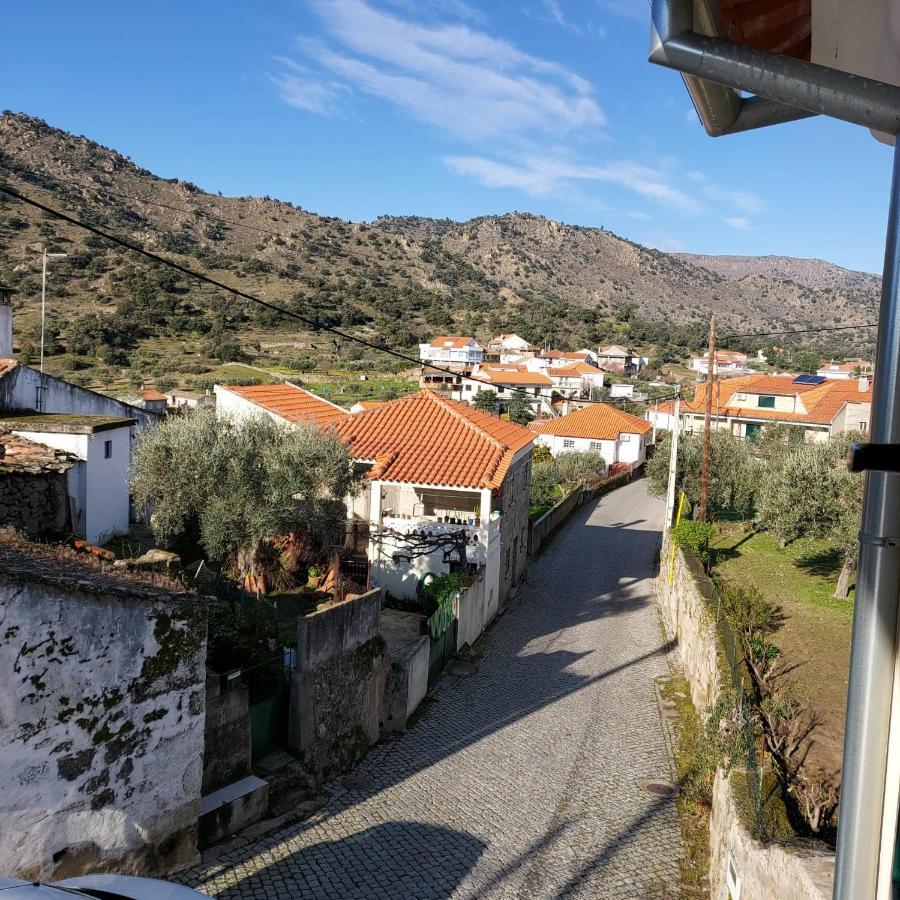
<point x="795" y="58"/>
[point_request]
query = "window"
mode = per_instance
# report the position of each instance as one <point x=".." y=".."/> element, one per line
<point x="863" y="426"/>
<point x="568" y="444"/>
<point x="766" y="403"/>
<point x="595" y="445"/>
<point x="624" y="438"/>
<point x="740" y="395"/>
<point x="107" y="449"/>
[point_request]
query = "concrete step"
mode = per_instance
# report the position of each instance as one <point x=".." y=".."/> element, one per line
<point x="231" y="808"/>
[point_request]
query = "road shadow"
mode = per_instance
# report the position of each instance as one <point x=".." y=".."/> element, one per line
<point x="604" y="570"/>
<point x="442" y="856"/>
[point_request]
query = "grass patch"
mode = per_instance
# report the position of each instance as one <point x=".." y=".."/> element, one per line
<point x="695" y="767"/>
<point x="346" y="390"/>
<point x="535" y="512"/>
<point x="232" y="372"/>
<point x="805" y="570"/>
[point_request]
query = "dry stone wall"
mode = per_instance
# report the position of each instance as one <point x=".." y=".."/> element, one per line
<point x="35" y="504"/>
<point x="794" y="871"/>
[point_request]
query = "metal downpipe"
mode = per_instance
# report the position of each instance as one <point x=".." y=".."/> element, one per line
<point x="793" y="88"/>
<point x="875" y="608"/>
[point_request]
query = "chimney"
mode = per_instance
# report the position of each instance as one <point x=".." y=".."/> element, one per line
<point x="6" y="323"/>
<point x="863" y="383"/>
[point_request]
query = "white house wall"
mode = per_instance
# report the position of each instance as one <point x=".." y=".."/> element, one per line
<point x="100" y="488"/>
<point x="19" y="391"/>
<point x="628" y="451"/>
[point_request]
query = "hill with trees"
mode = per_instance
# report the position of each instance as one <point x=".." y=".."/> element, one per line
<point x="117" y="319"/>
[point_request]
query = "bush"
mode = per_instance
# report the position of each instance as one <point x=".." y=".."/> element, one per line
<point x="694" y="537"/>
<point x="575" y="467"/>
<point x="544" y="484"/>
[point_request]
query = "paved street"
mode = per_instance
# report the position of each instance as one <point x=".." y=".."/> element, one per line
<point x="526" y="779"/>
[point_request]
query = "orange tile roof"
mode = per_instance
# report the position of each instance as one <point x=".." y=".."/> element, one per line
<point x="821" y="402"/>
<point x="22" y="456"/>
<point x="151" y="394"/>
<point x="7" y="365"/>
<point x="370" y="404"/>
<point x="426" y="439"/>
<point x="445" y="341"/>
<point x="575" y="371"/>
<point x="558" y="354"/>
<point x="291" y="403"/>
<point x="511" y="375"/>
<point x="838" y="367"/>
<point x="598" y="422"/>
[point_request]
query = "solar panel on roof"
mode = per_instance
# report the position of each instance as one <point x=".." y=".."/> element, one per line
<point x="809" y="379"/>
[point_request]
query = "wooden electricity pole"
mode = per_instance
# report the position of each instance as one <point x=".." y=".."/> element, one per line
<point x="707" y="420"/>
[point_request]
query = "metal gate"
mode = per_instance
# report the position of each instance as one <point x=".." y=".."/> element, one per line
<point x="269" y="688"/>
<point x="441" y="650"/>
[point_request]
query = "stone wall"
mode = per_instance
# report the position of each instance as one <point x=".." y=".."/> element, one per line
<point x="788" y="871"/>
<point x="473" y="613"/>
<point x="36" y="504"/>
<point x="688" y="618"/>
<point x="338" y="691"/>
<point x="796" y="871"/>
<point x="226" y="753"/>
<point x="101" y="720"/>
<point x="514" y="524"/>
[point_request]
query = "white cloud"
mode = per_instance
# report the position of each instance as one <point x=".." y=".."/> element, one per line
<point x="303" y="89"/>
<point x="743" y="201"/>
<point x="554" y="14"/>
<point x="696" y="176"/>
<point x="738" y="222"/>
<point x="640" y="216"/>
<point x="451" y="76"/>
<point x="540" y="175"/>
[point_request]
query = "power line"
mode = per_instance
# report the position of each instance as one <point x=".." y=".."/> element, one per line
<point x="826" y="328"/>
<point x="207" y="279"/>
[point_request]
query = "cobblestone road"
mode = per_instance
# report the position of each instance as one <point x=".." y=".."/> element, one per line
<point x="525" y="779"/>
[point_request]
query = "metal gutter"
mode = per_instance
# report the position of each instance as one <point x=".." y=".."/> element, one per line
<point x="784" y="88"/>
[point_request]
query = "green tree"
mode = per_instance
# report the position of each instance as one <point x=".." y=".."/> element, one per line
<point x="241" y="484"/>
<point x="544" y="484"/>
<point x="808" y="492"/>
<point x="519" y="410"/>
<point x="734" y="471"/>
<point x="574" y="467"/>
<point x="485" y="400"/>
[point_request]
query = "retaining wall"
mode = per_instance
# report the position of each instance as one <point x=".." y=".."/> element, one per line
<point x="787" y="871"/>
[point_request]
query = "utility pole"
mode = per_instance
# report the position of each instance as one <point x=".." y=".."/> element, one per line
<point x="707" y="420"/>
<point x="673" y="463"/>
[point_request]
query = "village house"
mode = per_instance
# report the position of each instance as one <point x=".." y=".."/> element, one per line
<point x="97" y="502"/>
<point x="618" y="359"/>
<point x="618" y="436"/>
<point x="508" y="348"/>
<point x="726" y="362"/>
<point x="851" y="368"/>
<point x="745" y="405"/>
<point x="459" y="354"/>
<point x="153" y="400"/>
<point x="557" y="358"/>
<point x="576" y="380"/>
<point x="509" y="382"/>
<point x="363" y="405"/>
<point x="188" y="401"/>
<point x="436" y="467"/>
<point x="285" y="403"/>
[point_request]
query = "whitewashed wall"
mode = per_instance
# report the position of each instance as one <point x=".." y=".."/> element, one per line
<point x="101" y="723"/>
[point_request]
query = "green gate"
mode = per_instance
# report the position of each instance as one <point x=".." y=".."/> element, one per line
<point x="269" y="686"/>
<point x="442" y="628"/>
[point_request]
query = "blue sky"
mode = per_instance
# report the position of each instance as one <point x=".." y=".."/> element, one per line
<point x="454" y="108"/>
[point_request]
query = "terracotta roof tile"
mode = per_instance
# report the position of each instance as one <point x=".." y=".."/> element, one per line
<point x="7" y="365"/>
<point x="22" y="456"/>
<point x="511" y="375"/>
<point x="578" y="369"/>
<point x="151" y="394"/>
<point x="599" y="422"/>
<point x="450" y="341"/>
<point x="820" y="402"/>
<point x="426" y="439"/>
<point x="291" y="403"/>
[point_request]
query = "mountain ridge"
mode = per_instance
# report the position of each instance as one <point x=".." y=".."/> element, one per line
<point x="396" y="278"/>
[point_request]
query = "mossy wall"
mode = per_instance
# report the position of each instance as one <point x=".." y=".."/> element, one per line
<point x="101" y="726"/>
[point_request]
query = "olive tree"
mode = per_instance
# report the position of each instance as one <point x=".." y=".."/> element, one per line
<point x="734" y="470"/>
<point x="575" y="467"/>
<point x="807" y="491"/>
<point x="241" y="484"/>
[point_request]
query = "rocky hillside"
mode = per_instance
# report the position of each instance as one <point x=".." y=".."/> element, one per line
<point x="396" y="279"/>
<point x="816" y="274"/>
